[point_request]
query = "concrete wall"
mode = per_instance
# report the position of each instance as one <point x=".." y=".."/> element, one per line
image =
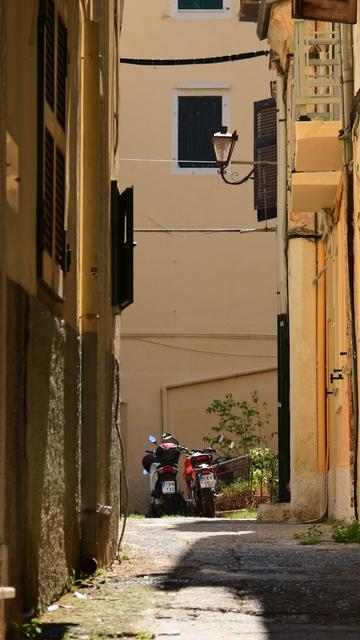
<point x="205" y="304"/>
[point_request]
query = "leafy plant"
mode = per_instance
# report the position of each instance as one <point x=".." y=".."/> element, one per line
<point x="30" y="630"/>
<point x="73" y="582"/>
<point x="346" y="532"/>
<point x="240" y="424"/>
<point x="238" y="487"/>
<point x="313" y="535"/>
<point x="123" y="556"/>
<point x="263" y="471"/>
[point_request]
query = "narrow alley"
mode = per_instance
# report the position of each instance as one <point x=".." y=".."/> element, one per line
<point x="196" y="578"/>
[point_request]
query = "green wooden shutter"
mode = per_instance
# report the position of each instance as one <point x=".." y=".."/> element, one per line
<point x="200" y="4"/>
<point x="52" y="75"/>
<point x="265" y="176"/>
<point x="199" y="118"/>
<point x="122" y="246"/>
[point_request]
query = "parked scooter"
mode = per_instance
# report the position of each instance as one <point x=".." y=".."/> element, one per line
<point x="162" y="465"/>
<point x="199" y="474"/>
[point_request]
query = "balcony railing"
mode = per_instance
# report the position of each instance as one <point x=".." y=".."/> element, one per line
<point x="317" y="71"/>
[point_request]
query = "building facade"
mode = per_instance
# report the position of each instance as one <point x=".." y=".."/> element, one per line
<point x="59" y="429"/>
<point x="203" y="323"/>
<point x="315" y="54"/>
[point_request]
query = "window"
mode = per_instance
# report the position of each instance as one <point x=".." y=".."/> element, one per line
<point x="201" y="9"/>
<point x="326" y="10"/>
<point x="265" y="176"/>
<point x="122" y="246"/>
<point x="200" y="4"/>
<point x="199" y="118"/>
<point x="52" y="251"/>
<point x="198" y="112"/>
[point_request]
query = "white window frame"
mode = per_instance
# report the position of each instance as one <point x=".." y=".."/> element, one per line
<point x="213" y="89"/>
<point x="201" y="14"/>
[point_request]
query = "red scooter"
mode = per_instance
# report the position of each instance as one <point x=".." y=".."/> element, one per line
<point x="199" y="475"/>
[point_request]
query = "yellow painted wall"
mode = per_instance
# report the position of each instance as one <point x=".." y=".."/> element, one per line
<point x="205" y="304"/>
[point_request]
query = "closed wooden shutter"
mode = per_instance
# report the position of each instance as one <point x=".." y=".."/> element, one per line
<point x="199" y="118"/>
<point x="52" y="75"/>
<point x="200" y="4"/>
<point x="122" y="249"/>
<point x="265" y="176"/>
<point x="326" y="10"/>
<point x="249" y="10"/>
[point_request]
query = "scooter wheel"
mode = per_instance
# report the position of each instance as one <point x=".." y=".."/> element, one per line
<point x="208" y="503"/>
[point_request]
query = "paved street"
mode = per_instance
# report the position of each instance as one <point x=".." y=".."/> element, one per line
<point x="191" y="578"/>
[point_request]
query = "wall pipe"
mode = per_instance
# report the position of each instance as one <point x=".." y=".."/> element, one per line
<point x="321" y="366"/>
<point x="347" y="81"/>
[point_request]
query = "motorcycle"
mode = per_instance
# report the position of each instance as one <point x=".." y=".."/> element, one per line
<point x="199" y="474"/>
<point x="162" y="466"/>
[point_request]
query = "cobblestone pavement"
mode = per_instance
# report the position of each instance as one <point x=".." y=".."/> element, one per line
<point x="196" y="578"/>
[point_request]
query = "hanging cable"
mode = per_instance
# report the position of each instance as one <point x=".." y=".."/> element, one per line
<point x="160" y="62"/>
<point x="123" y="476"/>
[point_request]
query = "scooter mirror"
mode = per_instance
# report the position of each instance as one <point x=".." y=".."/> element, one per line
<point x="152" y="439"/>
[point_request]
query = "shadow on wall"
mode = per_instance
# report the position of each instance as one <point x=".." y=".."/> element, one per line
<point x="289" y="591"/>
<point x="42" y="472"/>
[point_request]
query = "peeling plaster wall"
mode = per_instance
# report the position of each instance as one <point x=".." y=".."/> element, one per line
<point x="43" y="467"/>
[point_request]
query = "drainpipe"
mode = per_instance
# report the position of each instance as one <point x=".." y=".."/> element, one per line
<point x="88" y="321"/>
<point x="283" y="315"/>
<point x="321" y="366"/>
<point x="348" y="95"/>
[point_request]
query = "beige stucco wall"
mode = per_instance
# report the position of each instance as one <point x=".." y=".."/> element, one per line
<point x="205" y="304"/>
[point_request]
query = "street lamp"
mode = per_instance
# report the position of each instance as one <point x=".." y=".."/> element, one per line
<point x="224" y="143"/>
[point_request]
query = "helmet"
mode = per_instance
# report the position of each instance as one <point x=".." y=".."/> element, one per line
<point x="147" y="461"/>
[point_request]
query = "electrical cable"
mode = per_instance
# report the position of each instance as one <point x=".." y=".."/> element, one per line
<point x="122" y="456"/>
<point x="160" y="62"/>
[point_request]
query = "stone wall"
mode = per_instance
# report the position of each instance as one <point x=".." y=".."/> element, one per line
<point x="42" y="455"/>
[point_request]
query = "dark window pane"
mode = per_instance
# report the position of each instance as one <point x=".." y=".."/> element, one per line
<point x="199" y="118"/>
<point x="200" y="4"/>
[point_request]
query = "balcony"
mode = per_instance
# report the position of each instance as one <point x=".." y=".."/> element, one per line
<point x="317" y="117"/>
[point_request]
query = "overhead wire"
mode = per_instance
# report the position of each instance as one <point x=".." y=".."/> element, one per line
<point x="172" y="62"/>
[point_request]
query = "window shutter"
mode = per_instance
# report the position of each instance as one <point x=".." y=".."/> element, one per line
<point x="326" y="10"/>
<point x="122" y="253"/>
<point x="52" y="72"/>
<point x="200" y="4"/>
<point x="249" y="10"/>
<point x="199" y="118"/>
<point x="265" y="176"/>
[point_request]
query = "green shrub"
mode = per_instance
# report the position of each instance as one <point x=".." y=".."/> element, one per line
<point x="312" y="536"/>
<point x="346" y="532"/>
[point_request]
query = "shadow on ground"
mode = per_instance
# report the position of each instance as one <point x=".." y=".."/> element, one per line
<point x="298" y="591"/>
